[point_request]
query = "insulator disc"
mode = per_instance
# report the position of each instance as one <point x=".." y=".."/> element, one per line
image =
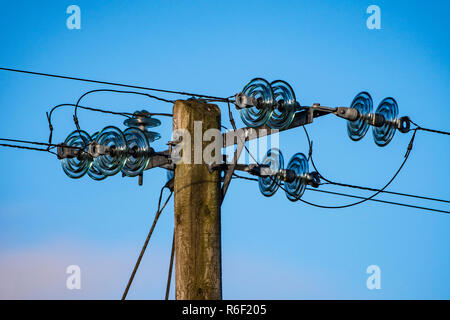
<point x="142" y="119"/>
<point x="261" y="90"/>
<point x="284" y="111"/>
<point x="384" y="134"/>
<point x="94" y="172"/>
<point x="269" y="185"/>
<point x="295" y="189"/>
<point x="138" y="152"/>
<point x="358" y="128"/>
<point x="152" y="135"/>
<point x="111" y="163"/>
<point x="78" y="166"/>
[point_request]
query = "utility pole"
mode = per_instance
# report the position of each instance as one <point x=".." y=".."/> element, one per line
<point x="197" y="197"/>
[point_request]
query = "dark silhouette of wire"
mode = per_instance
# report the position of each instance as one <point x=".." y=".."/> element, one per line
<point x="169" y="276"/>
<point x="49" y="115"/>
<point x="75" y="117"/>
<point x="118" y="91"/>
<point x="429" y="130"/>
<point x="233" y="124"/>
<point x="35" y="143"/>
<point x="125" y="114"/>
<point x="373" y="189"/>
<point x="357" y="197"/>
<point x="378" y="200"/>
<point x="244" y="178"/>
<point x="408" y="151"/>
<point x="25" y="147"/>
<point x="158" y="213"/>
<point x="113" y="84"/>
<point x="49" y="145"/>
<point x="390" y="192"/>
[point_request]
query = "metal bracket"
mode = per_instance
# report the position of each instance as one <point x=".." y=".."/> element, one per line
<point x="242" y="101"/>
<point x="63" y="151"/>
<point x="231" y="168"/>
<point x="95" y="149"/>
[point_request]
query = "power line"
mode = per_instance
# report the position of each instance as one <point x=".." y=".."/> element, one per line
<point x="378" y="200"/>
<point x="75" y="117"/>
<point x="389" y="192"/>
<point x="125" y="114"/>
<point x="35" y="143"/>
<point x="113" y="84"/>
<point x="312" y="161"/>
<point x="357" y="197"/>
<point x="429" y="130"/>
<point x="158" y="213"/>
<point x="24" y="147"/>
<point x="169" y="275"/>
<point x="49" y="145"/>
<point x="408" y="151"/>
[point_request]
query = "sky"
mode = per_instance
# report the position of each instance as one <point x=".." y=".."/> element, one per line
<point x="272" y="248"/>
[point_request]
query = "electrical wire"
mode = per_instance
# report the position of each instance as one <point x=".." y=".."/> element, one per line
<point x="114" y="91"/>
<point x="49" y="115"/>
<point x="369" y="188"/>
<point x="357" y="197"/>
<point x="113" y="84"/>
<point x="378" y="200"/>
<point x="169" y="276"/>
<point x="144" y="247"/>
<point x="49" y="145"/>
<point x="388" y="192"/>
<point x="377" y="191"/>
<point x="36" y="143"/>
<point x="25" y="147"/>
<point x="408" y="151"/>
<point x="125" y="114"/>
<point x="429" y="130"/>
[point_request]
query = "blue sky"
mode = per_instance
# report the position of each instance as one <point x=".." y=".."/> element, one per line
<point x="272" y="248"/>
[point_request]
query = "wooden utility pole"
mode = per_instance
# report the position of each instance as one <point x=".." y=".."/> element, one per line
<point x="198" y="270"/>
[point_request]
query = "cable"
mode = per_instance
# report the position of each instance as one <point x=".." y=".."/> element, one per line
<point x="158" y="213"/>
<point x="24" y="147"/>
<point x="36" y="143"/>
<point x="377" y="200"/>
<point x="368" y="188"/>
<point x="390" y="192"/>
<point x="118" y="91"/>
<point x="33" y="143"/>
<point x="125" y="114"/>
<point x="408" y="151"/>
<point x="233" y="124"/>
<point x="49" y="115"/>
<point x="429" y="130"/>
<point x="365" y="188"/>
<point x="112" y="83"/>
<point x="378" y="191"/>
<point x="75" y="117"/>
<point x="357" y="197"/>
<point x="169" y="276"/>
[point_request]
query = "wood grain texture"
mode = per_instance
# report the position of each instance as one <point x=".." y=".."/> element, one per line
<point x="198" y="271"/>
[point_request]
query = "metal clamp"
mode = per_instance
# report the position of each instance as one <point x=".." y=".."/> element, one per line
<point x="242" y="101"/>
<point x="63" y="152"/>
